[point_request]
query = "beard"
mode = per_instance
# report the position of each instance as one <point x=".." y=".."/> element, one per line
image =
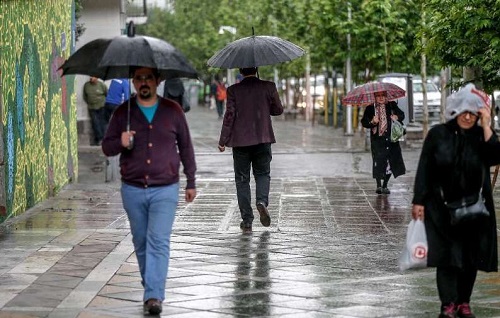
<point x="145" y="92"/>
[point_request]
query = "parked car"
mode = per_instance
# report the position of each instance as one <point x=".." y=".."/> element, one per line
<point x="433" y="99"/>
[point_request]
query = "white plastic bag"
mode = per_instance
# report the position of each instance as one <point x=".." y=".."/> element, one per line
<point x="414" y="253"/>
<point x="212" y="102"/>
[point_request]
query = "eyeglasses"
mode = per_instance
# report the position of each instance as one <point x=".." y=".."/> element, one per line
<point x="141" y="78"/>
<point x="469" y="113"/>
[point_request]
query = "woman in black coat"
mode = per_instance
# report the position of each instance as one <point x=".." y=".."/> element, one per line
<point x="387" y="156"/>
<point x="455" y="163"/>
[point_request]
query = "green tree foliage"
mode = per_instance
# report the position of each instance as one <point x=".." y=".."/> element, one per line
<point x="466" y="33"/>
<point x="382" y="32"/>
<point x="383" y="37"/>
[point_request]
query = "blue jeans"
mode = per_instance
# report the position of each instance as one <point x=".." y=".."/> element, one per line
<point x="151" y="213"/>
<point x="258" y="157"/>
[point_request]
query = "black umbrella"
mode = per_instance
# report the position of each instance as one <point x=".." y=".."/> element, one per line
<point x="112" y="58"/>
<point x="254" y="51"/>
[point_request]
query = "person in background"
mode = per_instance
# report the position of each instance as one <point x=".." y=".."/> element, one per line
<point x="387" y="156"/>
<point x="94" y="94"/>
<point x="150" y="176"/>
<point x="247" y="128"/>
<point x="219" y="92"/>
<point x="173" y="88"/>
<point x="455" y="163"/>
<point x="118" y="92"/>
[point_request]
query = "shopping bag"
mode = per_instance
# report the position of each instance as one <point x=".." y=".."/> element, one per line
<point x="397" y="130"/>
<point x="414" y="254"/>
<point x="212" y="102"/>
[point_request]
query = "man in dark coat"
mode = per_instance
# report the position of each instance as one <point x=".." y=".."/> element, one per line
<point x="247" y="127"/>
<point x="174" y="89"/>
<point x="454" y="164"/>
<point x="387" y="155"/>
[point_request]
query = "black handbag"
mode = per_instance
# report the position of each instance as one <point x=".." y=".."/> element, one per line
<point x="469" y="208"/>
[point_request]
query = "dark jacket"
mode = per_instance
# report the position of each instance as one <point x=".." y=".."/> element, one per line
<point x="174" y="89"/>
<point x="158" y="149"/>
<point x="249" y="107"/>
<point x="381" y="146"/>
<point x="448" y="155"/>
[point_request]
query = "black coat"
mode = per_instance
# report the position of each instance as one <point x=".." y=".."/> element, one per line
<point x="449" y="155"/>
<point x="382" y="147"/>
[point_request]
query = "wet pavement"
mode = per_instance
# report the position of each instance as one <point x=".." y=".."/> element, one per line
<point x="331" y="250"/>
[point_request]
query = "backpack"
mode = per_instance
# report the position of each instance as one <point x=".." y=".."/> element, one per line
<point x="221" y="94"/>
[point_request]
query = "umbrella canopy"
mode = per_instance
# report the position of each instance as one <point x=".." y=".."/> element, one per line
<point x="112" y="58"/>
<point x="364" y="94"/>
<point x="254" y="51"/>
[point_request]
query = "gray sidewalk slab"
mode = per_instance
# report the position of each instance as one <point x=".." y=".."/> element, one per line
<point x="331" y="250"/>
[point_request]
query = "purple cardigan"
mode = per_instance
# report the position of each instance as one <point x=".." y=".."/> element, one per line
<point x="159" y="147"/>
<point x="250" y="105"/>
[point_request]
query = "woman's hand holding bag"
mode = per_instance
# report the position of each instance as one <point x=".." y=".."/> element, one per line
<point x="397" y="130"/>
<point x="414" y="253"/>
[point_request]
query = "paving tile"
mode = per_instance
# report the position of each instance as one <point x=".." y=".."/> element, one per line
<point x="331" y="250"/>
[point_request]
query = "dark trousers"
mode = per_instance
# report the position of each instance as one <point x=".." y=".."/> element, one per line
<point x="455" y="285"/>
<point x="108" y="111"/>
<point x="258" y="157"/>
<point x="220" y="107"/>
<point x="98" y="125"/>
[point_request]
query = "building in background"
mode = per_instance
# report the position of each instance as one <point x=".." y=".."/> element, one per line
<point x="101" y="19"/>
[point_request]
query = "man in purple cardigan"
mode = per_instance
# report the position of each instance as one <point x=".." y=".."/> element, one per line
<point x="247" y="128"/>
<point x="150" y="176"/>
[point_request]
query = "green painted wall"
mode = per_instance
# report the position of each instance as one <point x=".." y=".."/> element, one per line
<point x="38" y="117"/>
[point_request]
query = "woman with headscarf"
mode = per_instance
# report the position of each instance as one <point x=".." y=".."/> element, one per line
<point x="386" y="155"/>
<point x="454" y="164"/>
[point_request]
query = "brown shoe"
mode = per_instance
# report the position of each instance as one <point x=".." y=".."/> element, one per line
<point x="265" y="219"/>
<point x="153" y="306"/>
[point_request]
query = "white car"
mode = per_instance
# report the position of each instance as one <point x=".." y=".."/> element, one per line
<point x="433" y="99"/>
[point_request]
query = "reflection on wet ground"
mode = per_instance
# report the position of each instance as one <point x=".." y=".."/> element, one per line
<point x="331" y="250"/>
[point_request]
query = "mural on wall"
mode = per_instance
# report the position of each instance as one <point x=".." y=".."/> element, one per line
<point x="39" y="107"/>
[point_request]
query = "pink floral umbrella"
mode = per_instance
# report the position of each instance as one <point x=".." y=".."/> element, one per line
<point x="363" y="95"/>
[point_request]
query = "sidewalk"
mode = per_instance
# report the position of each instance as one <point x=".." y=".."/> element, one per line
<point x="331" y="250"/>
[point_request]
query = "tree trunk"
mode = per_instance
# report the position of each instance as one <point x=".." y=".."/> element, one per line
<point x="423" y="70"/>
<point x="473" y="75"/>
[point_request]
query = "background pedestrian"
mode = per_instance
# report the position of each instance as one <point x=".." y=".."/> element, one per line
<point x="455" y="164"/>
<point x="94" y="94"/>
<point x="150" y="176"/>
<point x="173" y="88"/>
<point x="247" y="128"/>
<point x="118" y="92"/>
<point x="219" y="92"/>
<point x="387" y="155"/>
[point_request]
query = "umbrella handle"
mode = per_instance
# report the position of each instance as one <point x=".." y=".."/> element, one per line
<point x="130" y="142"/>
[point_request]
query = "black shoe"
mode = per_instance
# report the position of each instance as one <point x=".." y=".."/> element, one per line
<point x="246" y="227"/>
<point x="265" y="219"/>
<point x="379" y="190"/>
<point x="386" y="191"/>
<point x="153" y="306"/>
